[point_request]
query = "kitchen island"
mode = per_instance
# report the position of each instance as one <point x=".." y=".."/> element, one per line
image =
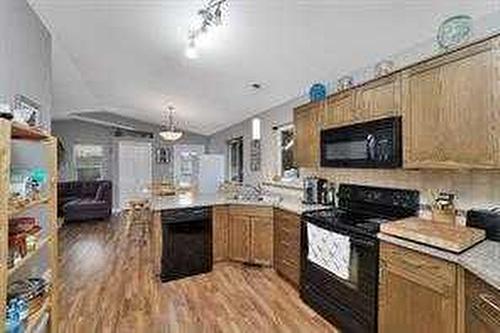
<point x="226" y="229"/>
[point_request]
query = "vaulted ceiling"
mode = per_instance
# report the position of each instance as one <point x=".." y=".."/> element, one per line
<point x="127" y="56"/>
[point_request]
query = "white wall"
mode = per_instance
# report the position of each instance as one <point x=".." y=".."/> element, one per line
<point x="25" y="56"/>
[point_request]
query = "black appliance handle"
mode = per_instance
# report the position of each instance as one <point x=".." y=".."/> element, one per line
<point x="371" y="142"/>
<point x="363" y="242"/>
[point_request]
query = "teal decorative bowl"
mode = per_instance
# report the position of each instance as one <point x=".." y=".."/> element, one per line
<point x="454" y="31"/>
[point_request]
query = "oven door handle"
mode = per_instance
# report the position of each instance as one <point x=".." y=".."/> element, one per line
<point x="362" y="242"/>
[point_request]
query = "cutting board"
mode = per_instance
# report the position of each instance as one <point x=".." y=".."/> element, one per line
<point x="453" y="238"/>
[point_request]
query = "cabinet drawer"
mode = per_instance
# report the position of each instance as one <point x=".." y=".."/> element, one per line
<point x="288" y="232"/>
<point x="289" y="270"/>
<point x="248" y="210"/>
<point x="433" y="273"/>
<point x="288" y="223"/>
<point x="288" y="251"/>
<point x="483" y="304"/>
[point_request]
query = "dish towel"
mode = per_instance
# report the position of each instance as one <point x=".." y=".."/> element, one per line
<point x="329" y="250"/>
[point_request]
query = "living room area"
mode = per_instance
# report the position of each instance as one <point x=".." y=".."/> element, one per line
<point x="108" y="162"/>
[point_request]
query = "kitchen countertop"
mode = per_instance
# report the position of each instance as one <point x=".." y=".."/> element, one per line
<point x="289" y="203"/>
<point x="481" y="259"/>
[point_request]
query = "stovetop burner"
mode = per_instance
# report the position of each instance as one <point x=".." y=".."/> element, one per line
<point x="364" y="209"/>
<point x="362" y="221"/>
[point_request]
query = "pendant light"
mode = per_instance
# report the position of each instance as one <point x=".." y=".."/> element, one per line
<point x="168" y="131"/>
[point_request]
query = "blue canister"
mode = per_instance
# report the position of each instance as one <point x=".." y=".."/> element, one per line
<point x="317" y="92"/>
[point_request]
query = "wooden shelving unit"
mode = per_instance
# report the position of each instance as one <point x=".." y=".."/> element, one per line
<point x="10" y="131"/>
<point x="17" y="211"/>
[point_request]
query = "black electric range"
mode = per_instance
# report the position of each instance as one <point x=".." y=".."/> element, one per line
<point x="349" y="300"/>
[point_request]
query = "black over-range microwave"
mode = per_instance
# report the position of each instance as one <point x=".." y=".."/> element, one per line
<point x="374" y="144"/>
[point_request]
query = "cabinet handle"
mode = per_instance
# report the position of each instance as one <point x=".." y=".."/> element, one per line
<point x="489" y="300"/>
<point x="410" y="263"/>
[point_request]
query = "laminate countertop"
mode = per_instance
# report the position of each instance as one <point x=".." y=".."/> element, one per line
<point x="289" y="203"/>
<point x="481" y="260"/>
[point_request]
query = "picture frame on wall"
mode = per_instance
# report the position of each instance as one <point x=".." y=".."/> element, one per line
<point x="26" y="110"/>
<point x="163" y="155"/>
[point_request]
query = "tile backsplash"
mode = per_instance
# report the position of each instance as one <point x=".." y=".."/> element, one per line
<point x="473" y="188"/>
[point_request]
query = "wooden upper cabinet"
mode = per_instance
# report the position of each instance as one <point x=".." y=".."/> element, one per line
<point x="262" y="241"/>
<point x="379" y="98"/>
<point x="451" y="110"/>
<point x="305" y="119"/>
<point x="417" y="293"/>
<point x="220" y="233"/>
<point x="239" y="238"/>
<point x="339" y="110"/>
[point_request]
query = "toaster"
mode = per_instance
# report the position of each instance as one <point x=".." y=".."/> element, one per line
<point x="486" y="219"/>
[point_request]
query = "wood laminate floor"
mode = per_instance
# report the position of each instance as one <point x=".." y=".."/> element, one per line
<point x="107" y="285"/>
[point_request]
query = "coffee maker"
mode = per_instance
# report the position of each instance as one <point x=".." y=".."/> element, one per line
<point x="315" y="191"/>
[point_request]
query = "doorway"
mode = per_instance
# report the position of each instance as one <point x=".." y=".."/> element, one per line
<point x="135" y="171"/>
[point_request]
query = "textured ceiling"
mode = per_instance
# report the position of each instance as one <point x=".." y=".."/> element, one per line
<point x="127" y="56"/>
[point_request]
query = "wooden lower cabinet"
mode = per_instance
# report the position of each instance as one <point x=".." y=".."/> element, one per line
<point x="261" y="241"/>
<point x="417" y="293"/>
<point x="287" y="246"/>
<point x="482" y="306"/>
<point x="156" y="241"/>
<point x="220" y="242"/>
<point x="239" y="238"/>
<point x="243" y="234"/>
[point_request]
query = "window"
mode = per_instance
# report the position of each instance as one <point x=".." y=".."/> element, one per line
<point x="235" y="157"/>
<point x="286" y="143"/>
<point x="89" y="161"/>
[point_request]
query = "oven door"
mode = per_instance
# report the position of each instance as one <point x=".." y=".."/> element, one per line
<point x="375" y="144"/>
<point x="347" y="300"/>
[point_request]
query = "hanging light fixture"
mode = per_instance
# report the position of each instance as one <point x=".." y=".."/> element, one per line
<point x="168" y="131"/>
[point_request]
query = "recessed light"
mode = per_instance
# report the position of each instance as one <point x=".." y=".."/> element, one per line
<point x="255" y="85"/>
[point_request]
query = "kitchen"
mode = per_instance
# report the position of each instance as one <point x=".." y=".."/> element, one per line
<point x="382" y="131"/>
<point x="250" y="166"/>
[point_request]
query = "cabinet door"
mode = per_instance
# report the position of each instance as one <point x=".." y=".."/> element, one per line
<point x="379" y="98"/>
<point x="262" y="240"/>
<point x="339" y="110"/>
<point x="417" y="293"/>
<point x="239" y="238"/>
<point x="220" y="234"/>
<point x="450" y="117"/>
<point x="307" y="135"/>
<point x="157" y="245"/>
<point x="406" y="306"/>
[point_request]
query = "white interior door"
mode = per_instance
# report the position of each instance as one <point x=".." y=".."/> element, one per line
<point x="135" y="170"/>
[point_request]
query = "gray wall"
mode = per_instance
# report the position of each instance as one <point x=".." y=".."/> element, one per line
<point x="25" y="56"/>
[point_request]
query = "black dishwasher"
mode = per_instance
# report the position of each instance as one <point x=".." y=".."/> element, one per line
<point x="187" y="242"/>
